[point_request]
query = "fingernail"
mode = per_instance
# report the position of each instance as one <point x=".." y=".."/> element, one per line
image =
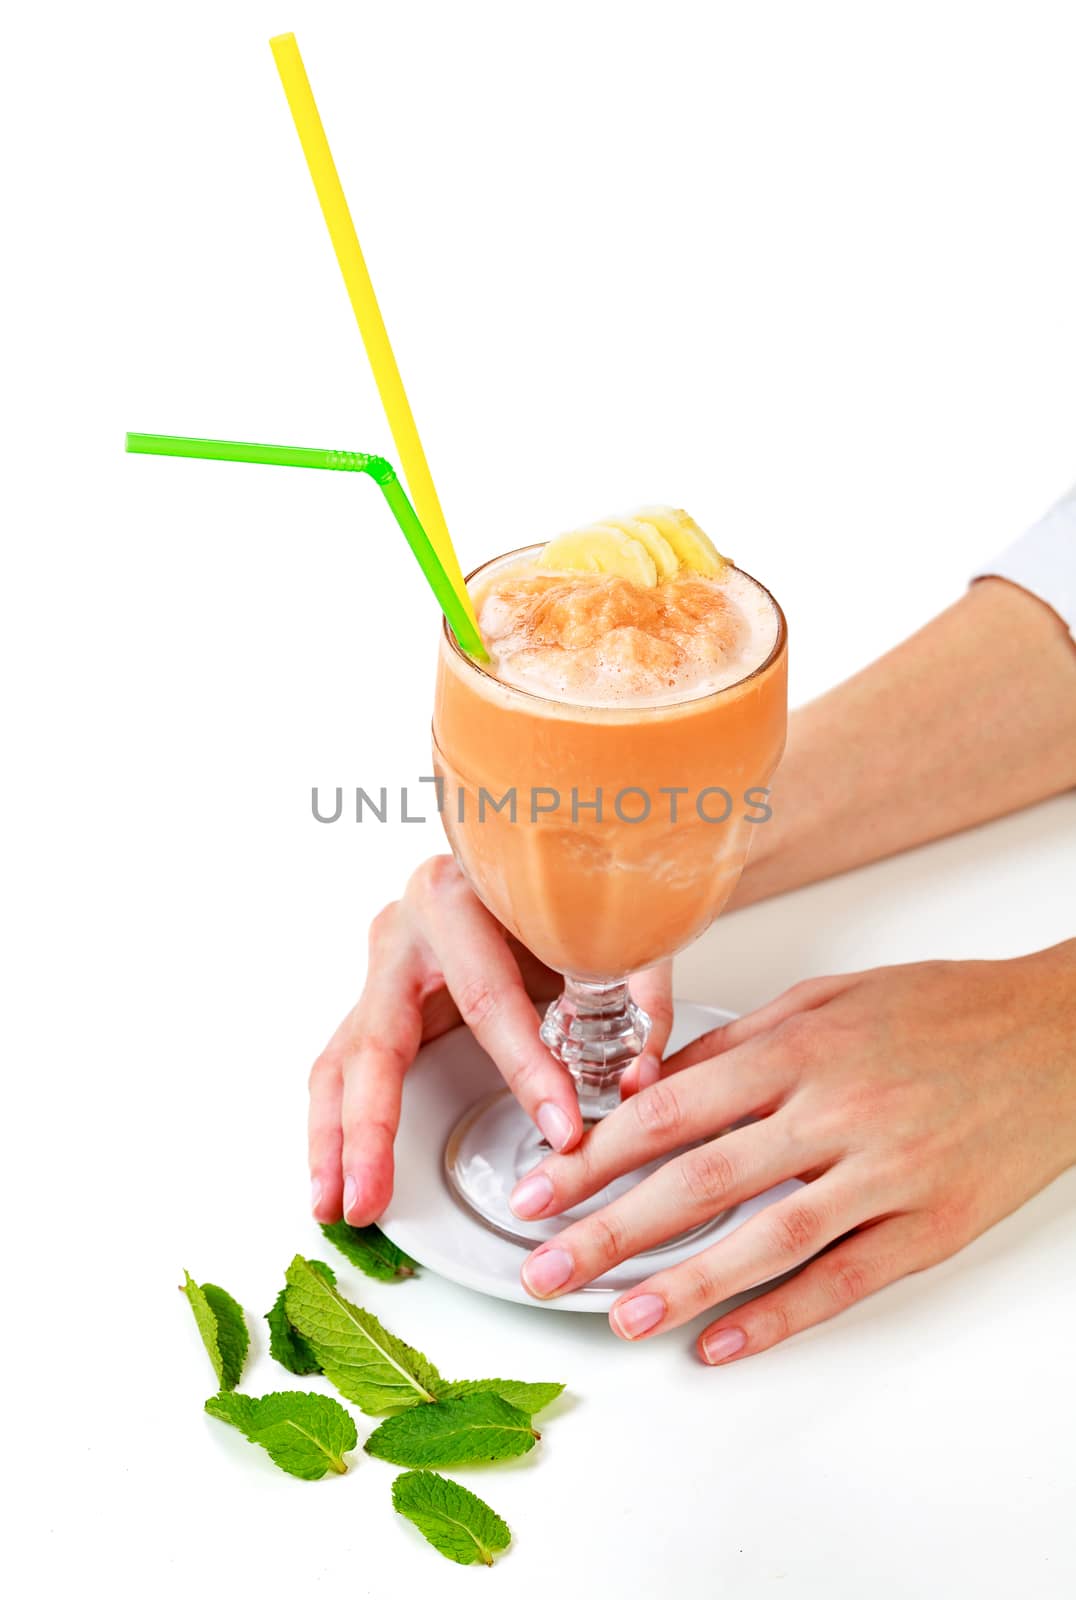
<point x="544" y="1273"/>
<point x="554" y="1123"/>
<point x="639" y="1315"/>
<point x="531" y="1195"/>
<point x="722" y="1344"/>
<point x="647" y="1071"/>
<point x="315" y="1193"/>
<point x="351" y="1194"/>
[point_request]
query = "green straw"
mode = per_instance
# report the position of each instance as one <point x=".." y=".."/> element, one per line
<point x="383" y="474"/>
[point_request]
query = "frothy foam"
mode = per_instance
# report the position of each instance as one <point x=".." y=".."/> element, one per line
<point x="594" y="640"/>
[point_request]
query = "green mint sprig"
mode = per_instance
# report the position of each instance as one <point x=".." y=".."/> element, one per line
<point x="313" y="1328"/>
<point x="365" y="1362"/>
<point x="222" y="1326"/>
<point x="455" y="1521"/>
<point x="285" y="1344"/>
<point x="530" y="1398"/>
<point x="370" y="1251"/>
<point x="305" y="1434"/>
<point x="454" y="1433"/>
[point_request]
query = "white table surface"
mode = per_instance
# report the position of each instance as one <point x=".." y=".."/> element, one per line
<point x="807" y="271"/>
<point x="920" y="1444"/>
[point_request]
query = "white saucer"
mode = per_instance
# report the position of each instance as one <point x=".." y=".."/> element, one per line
<point x="425" y="1219"/>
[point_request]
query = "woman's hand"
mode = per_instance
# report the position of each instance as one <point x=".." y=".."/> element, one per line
<point x="920" y="1104"/>
<point x="438" y="958"/>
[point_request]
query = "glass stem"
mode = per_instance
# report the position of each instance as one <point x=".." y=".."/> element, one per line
<point x="596" y="1029"/>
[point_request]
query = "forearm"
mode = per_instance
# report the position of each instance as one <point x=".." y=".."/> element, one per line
<point x="970" y="718"/>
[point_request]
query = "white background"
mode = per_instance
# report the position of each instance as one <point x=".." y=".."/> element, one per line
<point x="807" y="270"/>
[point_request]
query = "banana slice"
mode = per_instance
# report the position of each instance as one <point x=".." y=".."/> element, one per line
<point x="665" y="557"/>
<point x="604" y="549"/>
<point x="687" y="539"/>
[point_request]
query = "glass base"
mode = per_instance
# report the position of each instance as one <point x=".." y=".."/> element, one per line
<point x="493" y="1146"/>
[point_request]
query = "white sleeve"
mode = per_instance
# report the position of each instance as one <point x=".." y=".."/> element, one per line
<point x="1043" y="561"/>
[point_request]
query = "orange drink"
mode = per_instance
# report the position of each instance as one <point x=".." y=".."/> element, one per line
<point x="601" y="779"/>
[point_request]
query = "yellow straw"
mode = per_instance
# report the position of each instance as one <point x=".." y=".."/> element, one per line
<point x="360" y="291"/>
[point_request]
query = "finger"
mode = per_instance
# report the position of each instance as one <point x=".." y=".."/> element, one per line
<point x="694" y="1104"/>
<point x="381" y="1040"/>
<point x="652" y="990"/>
<point x="324" y="1137"/>
<point x="852" y="1269"/>
<point x="484" y="980"/>
<point x="680" y="1195"/>
<point x="806" y="996"/>
<point x="773" y="1241"/>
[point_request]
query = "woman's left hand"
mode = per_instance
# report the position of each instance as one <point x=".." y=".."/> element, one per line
<point x="919" y="1104"/>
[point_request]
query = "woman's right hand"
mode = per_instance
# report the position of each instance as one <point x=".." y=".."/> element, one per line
<point x="438" y="958"/>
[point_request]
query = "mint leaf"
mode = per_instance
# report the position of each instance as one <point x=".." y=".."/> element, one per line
<point x="526" y="1397"/>
<point x="238" y="1409"/>
<point x="454" y="1520"/>
<point x="287" y="1346"/>
<point x="454" y="1433"/>
<point x="233" y="1337"/>
<point x="305" y="1434"/>
<point x="366" y="1363"/>
<point x="370" y="1251"/>
<point x="222" y="1326"/>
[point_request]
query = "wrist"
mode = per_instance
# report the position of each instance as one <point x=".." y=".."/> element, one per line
<point x="1045" y="994"/>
